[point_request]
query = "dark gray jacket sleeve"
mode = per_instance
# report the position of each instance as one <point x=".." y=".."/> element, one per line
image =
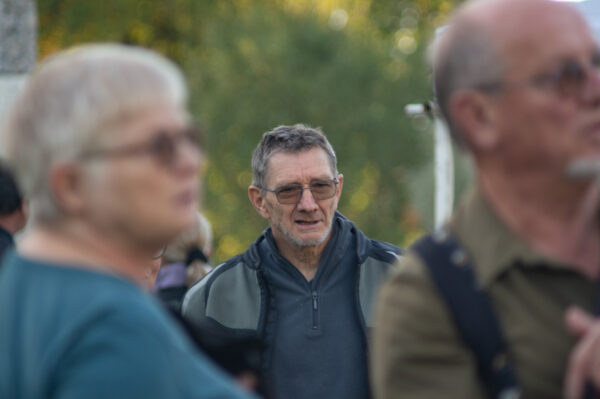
<point x="193" y="307"/>
<point x="373" y="273"/>
<point x="230" y="295"/>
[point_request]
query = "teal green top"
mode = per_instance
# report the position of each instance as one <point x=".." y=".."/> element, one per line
<point x="69" y="332"/>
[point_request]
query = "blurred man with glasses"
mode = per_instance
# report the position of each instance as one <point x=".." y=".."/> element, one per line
<point x="100" y="143"/>
<point x="307" y="285"/>
<point x="518" y="82"/>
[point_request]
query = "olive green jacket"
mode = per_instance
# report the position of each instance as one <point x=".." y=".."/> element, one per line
<point x="417" y="351"/>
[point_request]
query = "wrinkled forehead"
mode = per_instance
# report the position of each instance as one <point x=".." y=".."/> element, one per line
<point x="289" y="165"/>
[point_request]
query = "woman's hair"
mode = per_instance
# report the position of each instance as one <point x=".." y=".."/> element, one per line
<point x="190" y="247"/>
<point x="69" y="104"/>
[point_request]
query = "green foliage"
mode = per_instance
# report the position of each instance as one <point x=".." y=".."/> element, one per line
<point x="249" y="79"/>
<point x="254" y="65"/>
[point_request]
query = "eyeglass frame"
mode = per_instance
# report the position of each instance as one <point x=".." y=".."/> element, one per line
<point x="190" y="134"/>
<point x="558" y="79"/>
<point x="160" y="254"/>
<point x="302" y="188"/>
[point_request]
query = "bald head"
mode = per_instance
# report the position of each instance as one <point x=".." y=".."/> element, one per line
<point x="484" y="39"/>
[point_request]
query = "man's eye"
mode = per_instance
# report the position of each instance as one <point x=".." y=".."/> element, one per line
<point x="287" y="190"/>
<point x="573" y="71"/>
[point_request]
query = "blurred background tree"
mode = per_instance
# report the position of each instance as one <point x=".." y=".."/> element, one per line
<point x="347" y="66"/>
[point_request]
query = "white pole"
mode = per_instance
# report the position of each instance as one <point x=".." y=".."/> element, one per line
<point x="443" y="163"/>
<point x="444" y="173"/>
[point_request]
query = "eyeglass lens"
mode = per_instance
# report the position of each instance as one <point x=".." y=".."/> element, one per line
<point x="571" y="76"/>
<point x="292" y="193"/>
<point x="164" y="145"/>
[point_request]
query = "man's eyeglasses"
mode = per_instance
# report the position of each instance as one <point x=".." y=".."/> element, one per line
<point x="163" y="147"/>
<point x="291" y="194"/>
<point x="567" y="79"/>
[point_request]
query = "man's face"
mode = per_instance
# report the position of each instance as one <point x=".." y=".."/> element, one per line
<point x="540" y="125"/>
<point x="307" y="223"/>
<point x="137" y="197"/>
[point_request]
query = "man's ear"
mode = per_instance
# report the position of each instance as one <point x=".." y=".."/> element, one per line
<point x="66" y="182"/>
<point x="258" y="201"/>
<point x="474" y="114"/>
<point x="340" y="179"/>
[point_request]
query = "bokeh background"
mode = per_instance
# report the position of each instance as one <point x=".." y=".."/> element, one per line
<point x="346" y="66"/>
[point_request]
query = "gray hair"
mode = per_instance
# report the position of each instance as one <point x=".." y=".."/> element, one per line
<point x="465" y="57"/>
<point x="199" y="236"/>
<point x="294" y="139"/>
<point x="69" y="100"/>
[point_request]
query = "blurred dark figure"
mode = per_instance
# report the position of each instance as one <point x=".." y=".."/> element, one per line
<point x="101" y="143"/>
<point x="477" y="309"/>
<point x="13" y="210"/>
<point x="240" y="356"/>
<point x="184" y="261"/>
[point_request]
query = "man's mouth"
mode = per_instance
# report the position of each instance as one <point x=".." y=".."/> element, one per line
<point x="307" y="222"/>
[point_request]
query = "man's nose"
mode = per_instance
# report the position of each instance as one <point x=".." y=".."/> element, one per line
<point x="307" y="201"/>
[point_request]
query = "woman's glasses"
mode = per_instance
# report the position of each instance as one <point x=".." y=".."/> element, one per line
<point x="163" y="147"/>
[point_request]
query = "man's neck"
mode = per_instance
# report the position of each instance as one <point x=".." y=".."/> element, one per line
<point x="305" y="258"/>
<point x="557" y="217"/>
<point x="75" y="245"/>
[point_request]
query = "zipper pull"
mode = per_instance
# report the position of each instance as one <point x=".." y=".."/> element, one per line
<point x="314" y="297"/>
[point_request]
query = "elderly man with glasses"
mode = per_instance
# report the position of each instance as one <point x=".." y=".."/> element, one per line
<point x="99" y="141"/>
<point x="484" y="307"/>
<point x="307" y="284"/>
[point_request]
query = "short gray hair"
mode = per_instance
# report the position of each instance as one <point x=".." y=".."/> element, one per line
<point x="465" y="57"/>
<point x="69" y="100"/>
<point x="294" y="139"/>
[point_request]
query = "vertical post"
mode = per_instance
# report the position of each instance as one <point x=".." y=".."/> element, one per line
<point x="18" y="49"/>
<point x="444" y="173"/>
<point x="443" y="163"/>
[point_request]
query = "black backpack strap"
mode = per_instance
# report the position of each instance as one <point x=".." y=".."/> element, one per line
<point x="590" y="391"/>
<point x="472" y="311"/>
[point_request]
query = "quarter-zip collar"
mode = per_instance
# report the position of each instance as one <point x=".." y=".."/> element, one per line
<point x="332" y="254"/>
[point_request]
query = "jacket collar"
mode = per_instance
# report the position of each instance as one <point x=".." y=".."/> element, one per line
<point x="493" y="247"/>
<point x="6" y="236"/>
<point x="252" y="258"/>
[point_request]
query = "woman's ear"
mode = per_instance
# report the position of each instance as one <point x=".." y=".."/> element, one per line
<point x="66" y="188"/>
